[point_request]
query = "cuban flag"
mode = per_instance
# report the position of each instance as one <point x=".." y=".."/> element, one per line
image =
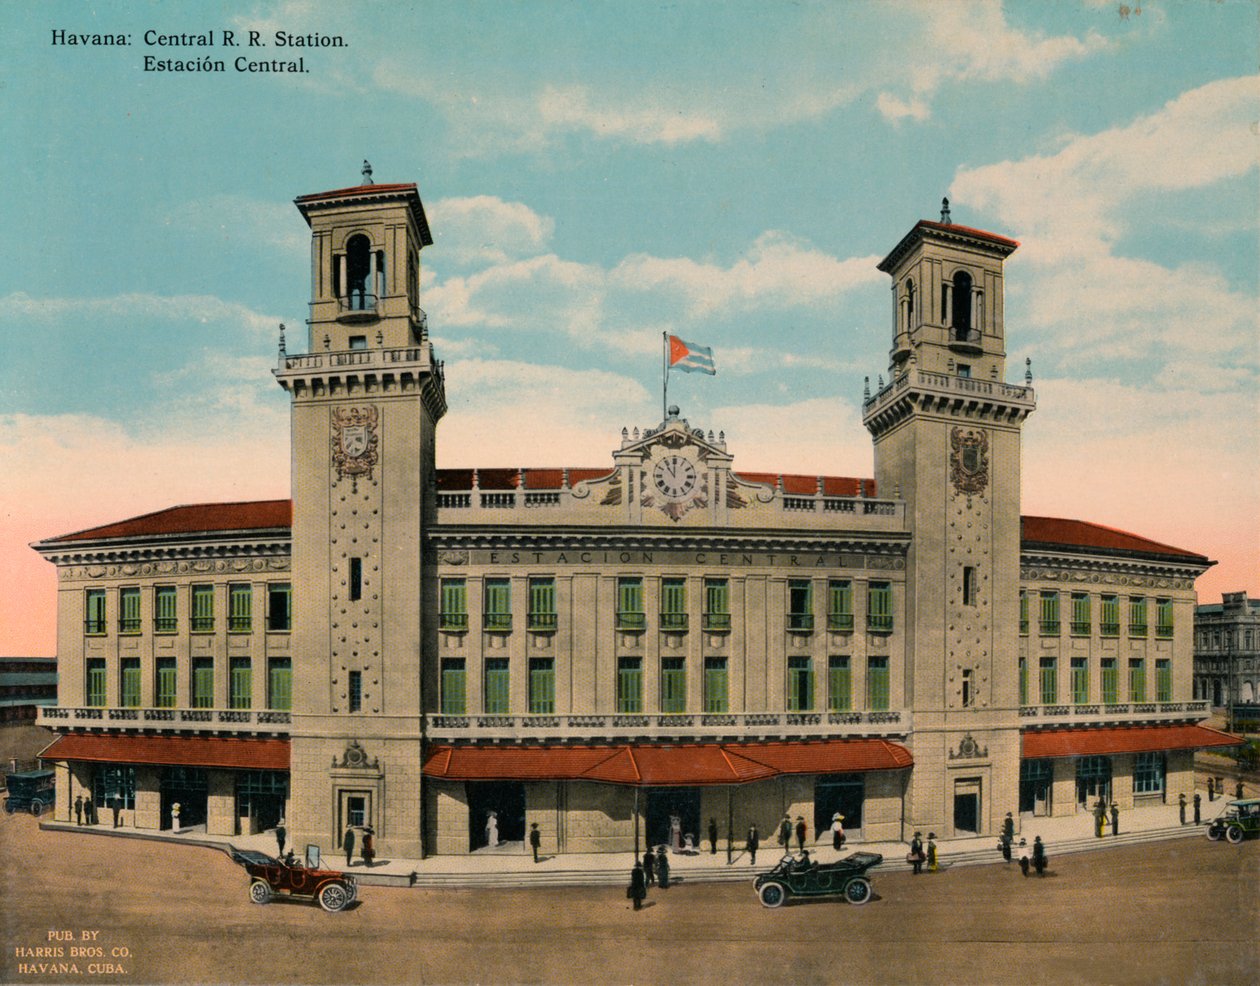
<point x="690" y="358"/>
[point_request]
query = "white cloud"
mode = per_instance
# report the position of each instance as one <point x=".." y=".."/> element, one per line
<point x="640" y="122"/>
<point x="485" y="229"/>
<point x="238" y="222"/>
<point x="191" y="307"/>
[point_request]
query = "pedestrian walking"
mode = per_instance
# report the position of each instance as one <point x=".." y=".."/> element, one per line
<point x="931" y="852"/>
<point x="175" y="811"/>
<point x="1039" y="858"/>
<point x="712" y="836"/>
<point x="754" y="841"/>
<point x="1197" y="797"/>
<point x="801" y="831"/>
<point x="368" y="852"/>
<point x="1211" y="790"/>
<point x="347" y="843"/>
<point x="1100" y="817"/>
<point x="116" y="804"/>
<point x="1023" y="856"/>
<point x="78" y="810"/>
<point x="837" y="831"/>
<point x="638" y="886"/>
<point x="1004" y="845"/>
<point x="1008" y="827"/>
<point x="1181" y="806"/>
<point x="649" y="867"/>
<point x="535" y="839"/>
<point x="1115" y="818"/>
<point x="662" y="868"/>
<point x="785" y="833"/>
<point x="916" y="857"/>
<point x="281" y="834"/>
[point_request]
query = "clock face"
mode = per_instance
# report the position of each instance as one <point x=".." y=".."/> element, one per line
<point x="674" y="476"/>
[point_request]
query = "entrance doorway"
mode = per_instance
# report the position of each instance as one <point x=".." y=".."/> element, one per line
<point x="1036" y="779"/>
<point x="967" y="806"/>
<point x="187" y="787"/>
<point x="1093" y="781"/>
<point x="664" y="804"/>
<point x="506" y="799"/>
<point x="838" y="793"/>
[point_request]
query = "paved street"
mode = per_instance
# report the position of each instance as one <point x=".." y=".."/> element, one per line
<point x="1173" y="912"/>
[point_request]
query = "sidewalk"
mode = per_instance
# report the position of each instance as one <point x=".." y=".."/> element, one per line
<point x="511" y="865"/>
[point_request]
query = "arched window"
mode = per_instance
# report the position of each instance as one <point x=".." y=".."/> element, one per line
<point x="962" y="305"/>
<point x="909" y="304"/>
<point x="359" y="274"/>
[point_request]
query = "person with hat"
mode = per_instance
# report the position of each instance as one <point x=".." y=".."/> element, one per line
<point x="837" y="831"/>
<point x="785" y="833"/>
<point x="931" y="852"/>
<point x="801" y="830"/>
<point x="638" y="886"/>
<point x="753" y="844"/>
<point x="1023" y="856"/>
<point x="1039" y="856"/>
<point x="368" y="851"/>
<point x="662" y="867"/>
<point x="915" y="858"/>
<point x="1181" y="806"/>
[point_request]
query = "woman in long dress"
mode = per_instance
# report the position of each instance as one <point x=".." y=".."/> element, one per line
<point x="675" y="833"/>
<point x="492" y="829"/>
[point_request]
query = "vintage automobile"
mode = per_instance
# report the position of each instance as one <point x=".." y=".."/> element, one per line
<point x="269" y="876"/>
<point x="30" y="790"/>
<point x="1239" y="820"/>
<point x="800" y="877"/>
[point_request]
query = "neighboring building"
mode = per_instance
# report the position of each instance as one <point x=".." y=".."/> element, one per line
<point x="1227" y="651"/>
<point x="26" y="685"/>
<point x="603" y="650"/>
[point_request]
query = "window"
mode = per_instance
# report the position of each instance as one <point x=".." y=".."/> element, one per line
<point x="968" y="689"/>
<point x="1163" y="680"/>
<point x="1148" y="773"/>
<point x="839" y="684"/>
<point x="498" y="605"/>
<point x="717" y="604"/>
<point x="964" y="370"/>
<point x="454" y="605"/>
<point x="1023" y="612"/>
<point x="95" y="681"/>
<point x="1049" y="680"/>
<point x="129" y="610"/>
<point x="542" y="604"/>
<point x="630" y="614"/>
<point x="673" y="604"/>
<point x="1163" y="618"/>
<point x="129" y="682"/>
<point x="280" y="683"/>
<point x="1109" y="616"/>
<point x="673" y="685"/>
<point x="961" y="305"/>
<point x="1049" y="614"/>
<point x="969" y="585"/>
<point x="716" y="689"/>
<point x="240" y="608"/>
<point x="498" y="679"/>
<point x="279" y="607"/>
<point x="240" y="683"/>
<point x="454" y="687"/>
<point x="358" y="342"/>
<point x="355" y="691"/>
<point x="110" y="783"/>
<point x="166" y="687"/>
<point x="1080" y="681"/>
<point x="164" y="611"/>
<point x="542" y="686"/>
<point x="94" y="612"/>
<point x="1137" y="680"/>
<point x="800" y="697"/>
<point x="800" y="614"/>
<point x="879" y="607"/>
<point x="203" y="683"/>
<point x="1023" y="681"/>
<point x="203" y="609"/>
<point x="1137" y="616"/>
<point x="1081" y="620"/>
<point x="877" y="683"/>
<point x="629" y="685"/>
<point x="356" y="579"/>
<point x="840" y="605"/>
<point x="1110" y="681"/>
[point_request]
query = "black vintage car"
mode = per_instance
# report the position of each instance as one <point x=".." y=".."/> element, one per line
<point x="269" y="876"/>
<point x="30" y="790"/>
<point x="799" y="876"/>
<point x="1240" y="819"/>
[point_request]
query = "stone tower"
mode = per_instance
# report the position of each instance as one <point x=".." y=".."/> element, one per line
<point x="946" y="431"/>
<point x="366" y="399"/>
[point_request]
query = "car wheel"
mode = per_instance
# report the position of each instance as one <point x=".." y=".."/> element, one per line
<point x="772" y="894"/>
<point x="858" y="891"/>
<point x="9" y="807"/>
<point x="1235" y="834"/>
<point x="1213" y="833"/>
<point x="333" y="897"/>
<point x="37" y="808"/>
<point x="259" y="892"/>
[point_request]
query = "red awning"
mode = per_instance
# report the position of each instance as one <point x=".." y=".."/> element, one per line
<point x="674" y="765"/>
<point x="1121" y="739"/>
<point x="190" y="751"/>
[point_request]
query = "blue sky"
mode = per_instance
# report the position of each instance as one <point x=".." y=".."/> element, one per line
<point x="598" y="173"/>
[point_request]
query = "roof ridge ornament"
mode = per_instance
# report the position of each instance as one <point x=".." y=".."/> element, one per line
<point x="367" y="172"/>
<point x="945" y="220"/>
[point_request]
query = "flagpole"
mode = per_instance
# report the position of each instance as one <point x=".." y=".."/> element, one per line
<point x="664" y="377"/>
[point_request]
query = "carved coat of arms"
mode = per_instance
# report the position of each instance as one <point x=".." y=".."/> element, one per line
<point x="354" y="441"/>
<point x="969" y="460"/>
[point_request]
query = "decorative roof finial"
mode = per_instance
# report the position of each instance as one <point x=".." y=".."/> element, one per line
<point x="367" y="172"/>
<point x="866" y="390"/>
<point x="945" y="211"/>
<point x="282" y="339"/>
<point x="1028" y="370"/>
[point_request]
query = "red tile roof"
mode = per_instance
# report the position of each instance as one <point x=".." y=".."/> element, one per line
<point x="1082" y="534"/>
<point x="968" y="231"/>
<point x="193" y="751"/>
<point x="197" y="518"/>
<point x="509" y="478"/>
<point x="1121" y="739"/>
<point x="341" y="193"/>
<point x="684" y="764"/>
<point x="1005" y="244"/>
<point x="797" y="484"/>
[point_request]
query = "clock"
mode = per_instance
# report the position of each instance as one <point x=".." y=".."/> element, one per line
<point x="674" y="476"/>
